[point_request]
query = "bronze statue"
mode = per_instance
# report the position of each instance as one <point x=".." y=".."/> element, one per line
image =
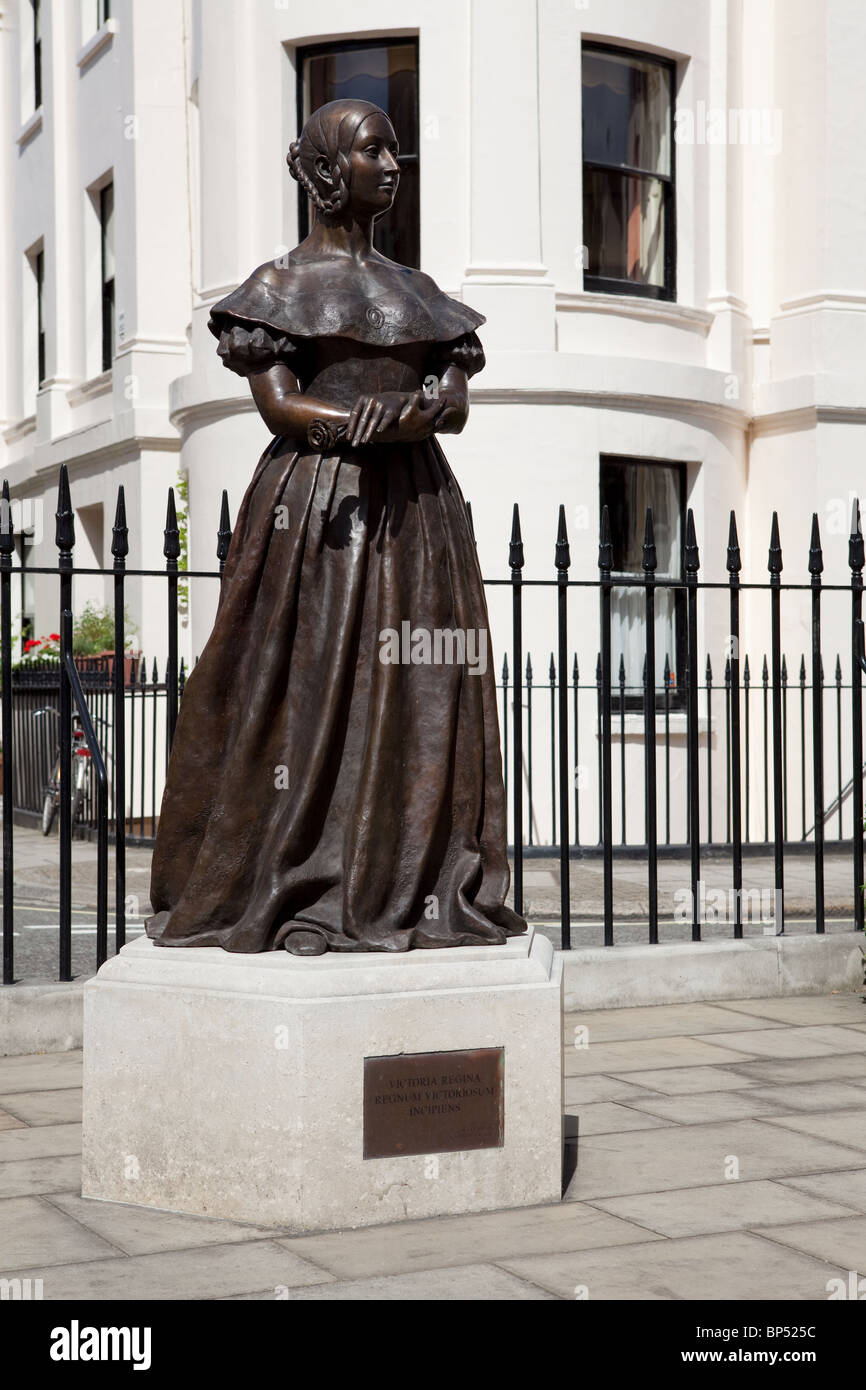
<point x="335" y="781"/>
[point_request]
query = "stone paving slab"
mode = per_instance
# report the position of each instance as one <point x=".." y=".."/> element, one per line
<point x="792" y="1042"/>
<point x="142" y="1231"/>
<point x="215" y="1271"/>
<point x="789" y="1071"/>
<point x="456" y="1240"/>
<point x="656" y="1021"/>
<point x="654" y="1053"/>
<point x="848" y="1188"/>
<point x="40" y="1071"/>
<point x="805" y="1009"/>
<point x="678" y="1080"/>
<point x="619" y="1164"/>
<point x="732" y="1267"/>
<point x="41" y="1141"/>
<point x="590" y="1090"/>
<point x="606" y="1117"/>
<point x="839" y="1126"/>
<point x="44" y="1107"/>
<point x="32" y="1232"/>
<point x="731" y="1206"/>
<point x="27" y="1176"/>
<point x="8" y="1121"/>
<point x="812" y="1096"/>
<point x="469" y="1283"/>
<point x="707" y="1107"/>
<point x="843" y="1239"/>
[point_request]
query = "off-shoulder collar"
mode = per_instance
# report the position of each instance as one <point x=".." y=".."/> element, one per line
<point x="405" y="306"/>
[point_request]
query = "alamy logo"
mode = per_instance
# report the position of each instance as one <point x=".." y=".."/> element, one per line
<point x="854" y="1289"/>
<point x="441" y="646"/>
<point x="720" y="905"/>
<point x="20" y="1290"/>
<point x="77" y="1343"/>
<point x="714" y="125"/>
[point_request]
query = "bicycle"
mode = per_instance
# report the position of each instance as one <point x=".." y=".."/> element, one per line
<point x="81" y="764"/>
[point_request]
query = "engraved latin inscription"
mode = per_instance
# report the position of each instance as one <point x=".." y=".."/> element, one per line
<point x="433" y="1102"/>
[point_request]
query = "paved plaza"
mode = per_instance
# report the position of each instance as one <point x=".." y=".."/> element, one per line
<point x="721" y="1155"/>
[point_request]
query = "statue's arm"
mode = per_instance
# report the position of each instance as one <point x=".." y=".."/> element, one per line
<point x="445" y="412"/>
<point x="389" y="417"/>
<point x="285" y="409"/>
<point x="453" y="409"/>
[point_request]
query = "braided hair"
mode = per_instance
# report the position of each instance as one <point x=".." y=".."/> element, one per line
<point x="329" y="134"/>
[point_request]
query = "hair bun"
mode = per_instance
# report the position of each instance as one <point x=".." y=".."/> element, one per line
<point x="292" y="158"/>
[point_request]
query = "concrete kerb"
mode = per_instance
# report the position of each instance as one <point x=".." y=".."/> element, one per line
<point x="43" y="1016"/>
<point x="49" y="1017"/>
<point x="618" y="977"/>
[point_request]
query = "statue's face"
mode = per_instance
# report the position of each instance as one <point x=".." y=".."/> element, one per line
<point x="375" y="171"/>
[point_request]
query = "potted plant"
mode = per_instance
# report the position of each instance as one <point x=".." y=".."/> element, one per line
<point x="93" y="636"/>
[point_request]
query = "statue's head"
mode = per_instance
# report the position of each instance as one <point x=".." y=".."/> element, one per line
<point x="346" y="160"/>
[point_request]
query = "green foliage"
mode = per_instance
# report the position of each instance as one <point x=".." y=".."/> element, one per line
<point x="93" y="631"/>
<point x="182" y="507"/>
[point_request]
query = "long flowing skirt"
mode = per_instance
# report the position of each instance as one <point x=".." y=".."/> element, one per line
<point x="328" y="772"/>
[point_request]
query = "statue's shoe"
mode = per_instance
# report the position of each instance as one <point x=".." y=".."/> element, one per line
<point x="305" y="943"/>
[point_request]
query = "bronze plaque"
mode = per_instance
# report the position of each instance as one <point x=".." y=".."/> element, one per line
<point x="433" y="1102"/>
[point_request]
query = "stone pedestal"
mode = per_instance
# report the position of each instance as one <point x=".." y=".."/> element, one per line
<point x="251" y="1087"/>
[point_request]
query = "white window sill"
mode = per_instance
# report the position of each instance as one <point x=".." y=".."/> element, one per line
<point x="30" y="128"/>
<point x="96" y="43"/>
<point x="20" y="429"/>
<point x="636" y="307"/>
<point x="87" y="390"/>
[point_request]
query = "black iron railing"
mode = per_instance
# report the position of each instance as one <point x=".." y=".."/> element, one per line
<point x="135" y="780"/>
<point x="766" y="792"/>
<point x="723" y="792"/>
<point x="740" y="694"/>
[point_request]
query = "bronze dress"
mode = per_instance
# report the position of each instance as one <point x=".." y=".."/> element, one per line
<point x="313" y="785"/>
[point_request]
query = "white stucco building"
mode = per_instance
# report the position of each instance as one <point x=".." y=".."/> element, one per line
<point x="660" y="205"/>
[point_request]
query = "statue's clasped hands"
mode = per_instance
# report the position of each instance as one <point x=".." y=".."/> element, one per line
<point x="391" y="417"/>
<point x="388" y="417"/>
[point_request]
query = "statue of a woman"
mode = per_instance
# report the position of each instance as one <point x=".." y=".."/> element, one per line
<point x="335" y="781"/>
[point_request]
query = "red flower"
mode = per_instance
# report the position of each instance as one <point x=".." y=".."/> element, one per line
<point x="54" y="636"/>
<point x="34" y="642"/>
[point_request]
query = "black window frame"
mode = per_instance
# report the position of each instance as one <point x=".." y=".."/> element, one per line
<point x="39" y="273"/>
<point x="36" y="6"/>
<point x="316" y="50"/>
<point x="676" y="701"/>
<point x="106" y="285"/>
<point x="605" y="284"/>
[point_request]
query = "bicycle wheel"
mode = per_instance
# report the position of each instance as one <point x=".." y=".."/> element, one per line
<point x="49" y="806"/>
<point x="77" y="803"/>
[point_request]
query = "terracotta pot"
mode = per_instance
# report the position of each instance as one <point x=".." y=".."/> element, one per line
<point x="129" y="659"/>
